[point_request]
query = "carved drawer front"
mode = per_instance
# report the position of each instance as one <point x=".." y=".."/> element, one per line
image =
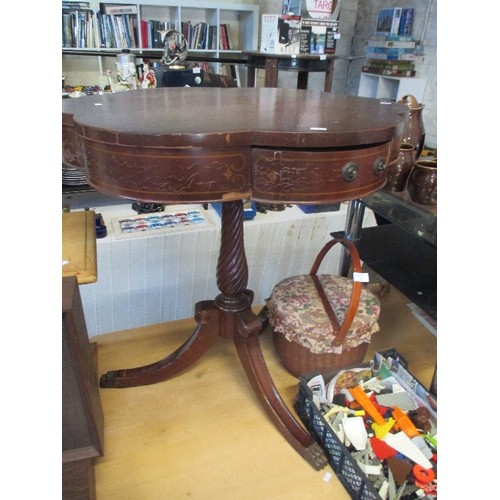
<point x="190" y="175"/>
<point x="317" y="176"/>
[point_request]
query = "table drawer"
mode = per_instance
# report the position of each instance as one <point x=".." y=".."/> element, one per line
<point x="317" y="176"/>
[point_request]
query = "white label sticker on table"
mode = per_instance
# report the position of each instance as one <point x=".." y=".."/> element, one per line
<point x="363" y="277"/>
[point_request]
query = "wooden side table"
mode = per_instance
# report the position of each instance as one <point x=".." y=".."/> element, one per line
<point x="248" y="145"/>
<point x="303" y="64"/>
<point x="79" y="254"/>
<point x="82" y="414"/>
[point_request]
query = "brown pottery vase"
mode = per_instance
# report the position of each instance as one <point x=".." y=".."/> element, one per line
<point x="414" y="131"/>
<point x="422" y="182"/>
<point x="399" y="170"/>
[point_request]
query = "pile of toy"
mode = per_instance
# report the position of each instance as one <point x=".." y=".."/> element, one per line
<point x="387" y="421"/>
<point x="81" y="90"/>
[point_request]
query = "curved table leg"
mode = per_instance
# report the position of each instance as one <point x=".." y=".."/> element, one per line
<point x="229" y="316"/>
<point x="203" y="337"/>
<point x="247" y="344"/>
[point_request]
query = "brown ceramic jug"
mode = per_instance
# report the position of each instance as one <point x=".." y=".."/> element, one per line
<point x="422" y="182"/>
<point x="414" y="131"/>
<point x="399" y="170"/>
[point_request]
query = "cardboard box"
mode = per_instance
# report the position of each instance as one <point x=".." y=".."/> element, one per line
<point x="318" y="36"/>
<point x="287" y="34"/>
<point x="280" y="34"/>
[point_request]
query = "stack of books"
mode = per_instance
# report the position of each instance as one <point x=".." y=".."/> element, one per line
<point x="392" y="50"/>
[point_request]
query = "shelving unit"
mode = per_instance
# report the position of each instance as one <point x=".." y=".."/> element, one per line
<point x="391" y="87"/>
<point x="81" y="65"/>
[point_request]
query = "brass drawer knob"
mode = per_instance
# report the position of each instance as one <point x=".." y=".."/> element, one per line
<point x="379" y="166"/>
<point x="350" y="171"/>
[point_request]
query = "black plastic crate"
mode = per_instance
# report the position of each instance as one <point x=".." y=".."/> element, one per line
<point x="339" y="457"/>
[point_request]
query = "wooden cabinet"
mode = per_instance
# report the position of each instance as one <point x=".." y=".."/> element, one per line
<point x="240" y="20"/>
<point x="82" y="414"/>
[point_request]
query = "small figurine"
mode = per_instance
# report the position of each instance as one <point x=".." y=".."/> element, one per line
<point x="126" y="76"/>
<point x="149" y="78"/>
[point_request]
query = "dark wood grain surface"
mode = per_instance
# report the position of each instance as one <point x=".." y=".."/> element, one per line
<point x="207" y="144"/>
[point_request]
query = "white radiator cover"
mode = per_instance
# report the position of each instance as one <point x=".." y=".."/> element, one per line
<point x="153" y="279"/>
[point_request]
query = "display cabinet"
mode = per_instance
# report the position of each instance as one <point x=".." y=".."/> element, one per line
<point x="403" y="247"/>
<point x="391" y="87"/>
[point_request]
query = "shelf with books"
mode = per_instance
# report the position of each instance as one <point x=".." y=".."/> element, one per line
<point x="214" y="31"/>
<point x="392" y="57"/>
<point x="206" y="26"/>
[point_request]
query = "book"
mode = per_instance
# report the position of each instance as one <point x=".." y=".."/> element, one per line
<point x="224" y="37"/>
<point x="200" y="41"/>
<point x="187" y="32"/>
<point x="144" y="34"/>
<point x="212" y="37"/>
<point x="126" y="31"/>
<point x="385" y="50"/>
<point x="120" y="41"/>
<point x="156" y="27"/>
<point x="67" y="33"/>
<point x="75" y="5"/>
<point x="109" y="36"/>
<point x="394" y="38"/>
<point x="391" y="65"/>
<point x="406" y="22"/>
<point x="387" y="72"/>
<point x="96" y="30"/>
<point x="391" y="44"/>
<point x="388" y="21"/>
<point x="114" y="9"/>
<point x="385" y="56"/>
<point x="82" y="29"/>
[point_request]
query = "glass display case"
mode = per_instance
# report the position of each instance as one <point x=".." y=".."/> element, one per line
<point x="402" y="248"/>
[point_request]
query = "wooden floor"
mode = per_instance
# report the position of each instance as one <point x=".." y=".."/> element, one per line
<point x="203" y="434"/>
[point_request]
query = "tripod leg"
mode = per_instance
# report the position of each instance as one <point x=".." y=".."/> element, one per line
<point x="247" y="344"/>
<point x="203" y="337"/>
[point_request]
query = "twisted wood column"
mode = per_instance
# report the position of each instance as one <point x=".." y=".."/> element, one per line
<point x="232" y="268"/>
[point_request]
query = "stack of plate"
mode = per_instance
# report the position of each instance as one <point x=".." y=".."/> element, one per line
<point x="72" y="176"/>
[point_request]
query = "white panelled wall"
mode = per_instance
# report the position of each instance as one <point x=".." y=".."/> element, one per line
<point x="155" y="278"/>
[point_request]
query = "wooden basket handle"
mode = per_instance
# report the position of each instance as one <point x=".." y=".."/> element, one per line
<point x="340" y="330"/>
